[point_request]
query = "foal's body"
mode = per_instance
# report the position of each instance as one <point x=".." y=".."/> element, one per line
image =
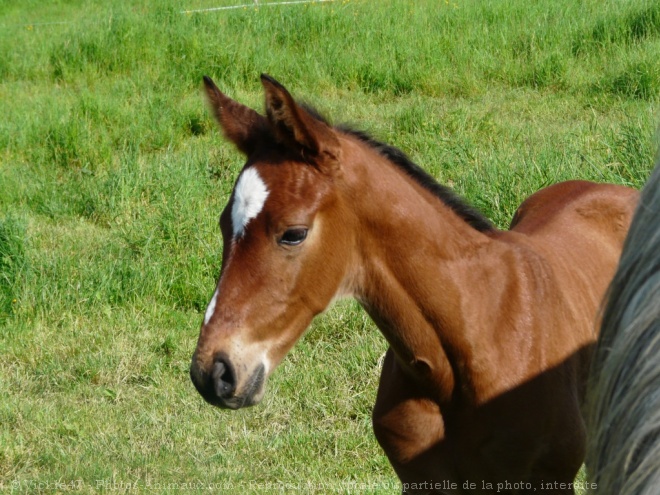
<point x="509" y="319"/>
<point x="489" y="331"/>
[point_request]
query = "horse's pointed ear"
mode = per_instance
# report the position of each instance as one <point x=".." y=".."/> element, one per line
<point x="296" y="127"/>
<point x="241" y="125"/>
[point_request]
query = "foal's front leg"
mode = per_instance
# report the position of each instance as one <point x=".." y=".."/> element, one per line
<point x="410" y="429"/>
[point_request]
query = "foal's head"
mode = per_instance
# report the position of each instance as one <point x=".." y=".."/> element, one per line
<point x="286" y="244"/>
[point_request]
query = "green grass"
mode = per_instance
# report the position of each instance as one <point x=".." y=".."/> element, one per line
<point x="112" y="177"/>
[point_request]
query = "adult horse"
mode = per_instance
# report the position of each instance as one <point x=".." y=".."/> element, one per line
<point x="489" y="330"/>
<point x="623" y="413"/>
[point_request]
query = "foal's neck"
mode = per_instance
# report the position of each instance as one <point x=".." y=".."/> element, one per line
<point x="413" y="248"/>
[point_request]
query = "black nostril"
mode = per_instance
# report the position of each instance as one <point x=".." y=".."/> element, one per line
<point x="223" y="379"/>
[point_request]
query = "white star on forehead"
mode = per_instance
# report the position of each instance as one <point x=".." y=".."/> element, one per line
<point x="250" y="194"/>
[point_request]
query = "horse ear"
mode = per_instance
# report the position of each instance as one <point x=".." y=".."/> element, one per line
<point x="241" y="125"/>
<point x="296" y="127"/>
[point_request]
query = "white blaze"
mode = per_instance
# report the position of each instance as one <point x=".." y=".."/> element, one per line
<point x="211" y="308"/>
<point x="250" y="195"/>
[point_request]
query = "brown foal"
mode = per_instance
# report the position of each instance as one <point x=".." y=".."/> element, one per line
<point x="490" y="331"/>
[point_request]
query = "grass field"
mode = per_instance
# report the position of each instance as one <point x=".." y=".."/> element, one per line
<point x="112" y="177"/>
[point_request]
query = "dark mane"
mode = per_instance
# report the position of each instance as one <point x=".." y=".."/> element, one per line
<point x="460" y="206"/>
<point x="464" y="210"/>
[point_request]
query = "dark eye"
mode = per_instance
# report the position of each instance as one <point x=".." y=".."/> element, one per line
<point x="293" y="237"/>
